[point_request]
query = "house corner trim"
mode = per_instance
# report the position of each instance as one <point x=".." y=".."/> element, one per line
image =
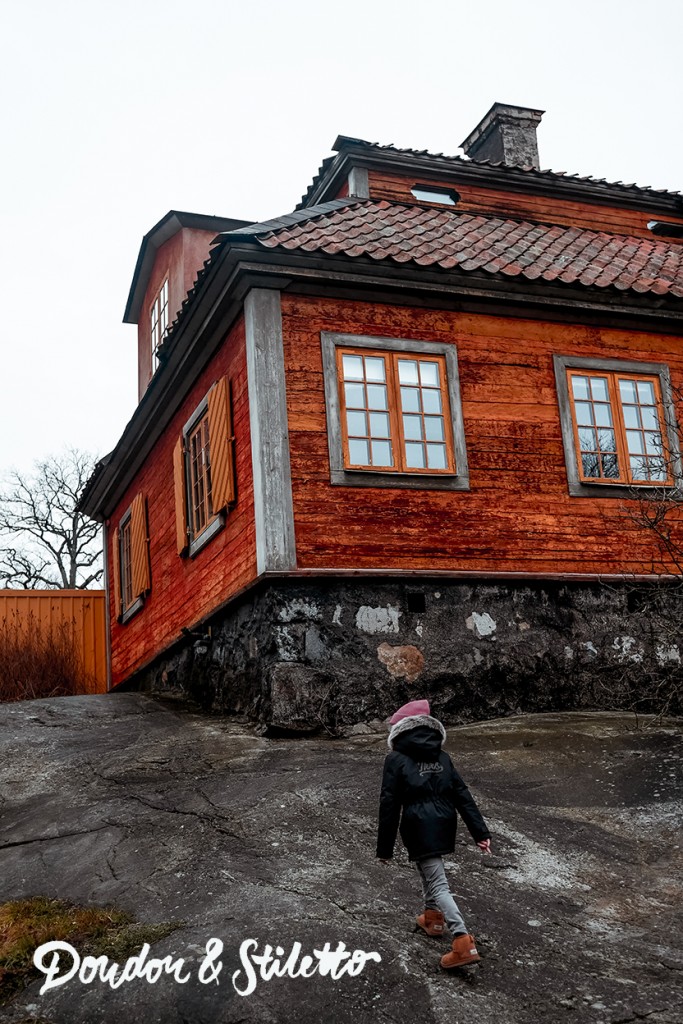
<point x="273" y="506"/>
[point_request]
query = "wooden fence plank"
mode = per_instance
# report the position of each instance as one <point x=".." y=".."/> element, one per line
<point x="82" y="612"/>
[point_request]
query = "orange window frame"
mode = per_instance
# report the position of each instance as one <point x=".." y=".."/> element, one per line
<point x="622" y="450"/>
<point x="394" y="409"/>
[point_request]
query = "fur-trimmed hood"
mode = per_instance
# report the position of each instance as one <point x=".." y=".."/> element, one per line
<point x="414" y="722"/>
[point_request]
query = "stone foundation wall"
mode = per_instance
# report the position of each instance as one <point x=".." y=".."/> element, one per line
<point x="329" y="654"/>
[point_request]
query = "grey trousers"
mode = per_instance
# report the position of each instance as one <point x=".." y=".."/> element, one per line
<point x="437" y="894"/>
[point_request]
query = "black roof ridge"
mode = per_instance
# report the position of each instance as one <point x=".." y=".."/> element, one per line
<point x="344" y="142"/>
<point x="288" y="219"/>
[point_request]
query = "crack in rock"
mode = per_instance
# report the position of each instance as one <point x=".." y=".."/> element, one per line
<point x="50" y="839"/>
<point x="213" y="821"/>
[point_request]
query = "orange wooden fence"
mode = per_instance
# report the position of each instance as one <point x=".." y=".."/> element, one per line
<point x="81" y="611"/>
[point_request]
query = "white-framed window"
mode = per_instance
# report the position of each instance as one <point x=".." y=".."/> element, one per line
<point x="158" y="318"/>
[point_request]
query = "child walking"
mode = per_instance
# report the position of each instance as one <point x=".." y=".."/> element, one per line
<point x="420" y="781"/>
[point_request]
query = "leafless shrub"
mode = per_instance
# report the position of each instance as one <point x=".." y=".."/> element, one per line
<point x="38" y="662"/>
<point x="657" y="513"/>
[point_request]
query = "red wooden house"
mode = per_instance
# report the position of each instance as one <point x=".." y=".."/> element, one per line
<point x="387" y="444"/>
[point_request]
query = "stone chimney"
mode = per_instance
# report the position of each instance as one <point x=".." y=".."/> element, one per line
<point x="506" y="135"/>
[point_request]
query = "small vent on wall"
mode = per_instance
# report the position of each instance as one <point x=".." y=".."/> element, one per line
<point x="416" y="601"/>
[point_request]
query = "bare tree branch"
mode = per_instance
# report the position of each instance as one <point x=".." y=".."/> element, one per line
<point x="656" y="514"/>
<point x="47" y="542"/>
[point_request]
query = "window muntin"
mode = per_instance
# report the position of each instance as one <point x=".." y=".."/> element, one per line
<point x="619" y="427"/>
<point x="199" y="476"/>
<point x="395" y="414"/>
<point x="126" y="562"/>
<point x="159" y="322"/>
<point x="204" y="478"/>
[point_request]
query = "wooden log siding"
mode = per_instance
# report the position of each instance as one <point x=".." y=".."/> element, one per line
<point x="184" y="590"/>
<point x="518" y="515"/>
<point x="478" y="199"/>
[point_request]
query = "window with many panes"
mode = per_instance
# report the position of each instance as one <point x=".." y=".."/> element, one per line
<point x="131" y="575"/>
<point x="394" y="416"/>
<point x="159" y="322"/>
<point x="617" y="423"/>
<point x="126" y="563"/>
<point x="199" y="477"/>
<point x="395" y="412"/>
<point x="204" y="470"/>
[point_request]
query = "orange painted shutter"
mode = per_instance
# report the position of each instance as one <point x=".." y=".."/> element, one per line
<point x="139" y="547"/>
<point x="221" y="446"/>
<point x="116" y="573"/>
<point x="180" y="501"/>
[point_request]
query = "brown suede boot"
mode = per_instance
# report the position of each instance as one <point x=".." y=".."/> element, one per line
<point x="431" y="922"/>
<point x="463" y="951"/>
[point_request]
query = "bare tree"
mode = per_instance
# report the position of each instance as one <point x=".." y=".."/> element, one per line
<point x="47" y="541"/>
<point x="657" y="513"/>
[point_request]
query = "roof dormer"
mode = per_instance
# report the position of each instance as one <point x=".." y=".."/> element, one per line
<point x="171" y="255"/>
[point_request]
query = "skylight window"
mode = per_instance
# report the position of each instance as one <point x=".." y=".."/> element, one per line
<point x="427" y="194"/>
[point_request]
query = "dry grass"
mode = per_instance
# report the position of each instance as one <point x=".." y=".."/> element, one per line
<point x="37" y="662"/>
<point x="95" y="931"/>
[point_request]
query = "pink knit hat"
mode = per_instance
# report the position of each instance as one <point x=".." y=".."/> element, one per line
<point x="414" y="707"/>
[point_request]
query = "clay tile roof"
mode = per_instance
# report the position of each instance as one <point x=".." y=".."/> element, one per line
<point x="467" y="242"/>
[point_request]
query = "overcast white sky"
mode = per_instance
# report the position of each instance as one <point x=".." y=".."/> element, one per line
<point x="114" y="113"/>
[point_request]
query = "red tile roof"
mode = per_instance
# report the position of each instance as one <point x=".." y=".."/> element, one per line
<point x="430" y="237"/>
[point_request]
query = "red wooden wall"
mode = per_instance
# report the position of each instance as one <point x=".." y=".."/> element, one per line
<point x="183" y="589"/>
<point x="518" y="515"/>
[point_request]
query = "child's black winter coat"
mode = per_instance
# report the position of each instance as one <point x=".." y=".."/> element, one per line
<point x="419" y="778"/>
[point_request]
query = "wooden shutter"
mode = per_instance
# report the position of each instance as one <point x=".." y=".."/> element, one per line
<point x="180" y="499"/>
<point x="116" y="572"/>
<point x="139" y="547"/>
<point x="221" y="445"/>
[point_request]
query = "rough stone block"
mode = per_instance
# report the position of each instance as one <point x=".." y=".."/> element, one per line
<point x="297" y="696"/>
